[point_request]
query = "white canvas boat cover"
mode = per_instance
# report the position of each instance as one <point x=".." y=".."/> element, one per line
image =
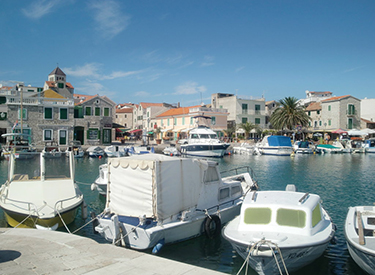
<point x="154" y="185"/>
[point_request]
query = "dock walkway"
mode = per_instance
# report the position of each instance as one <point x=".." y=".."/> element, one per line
<point x="31" y="251"/>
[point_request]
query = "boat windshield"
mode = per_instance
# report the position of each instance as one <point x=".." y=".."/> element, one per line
<point x="30" y="169"/>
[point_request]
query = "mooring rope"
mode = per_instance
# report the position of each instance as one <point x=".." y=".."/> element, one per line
<point x="269" y="243"/>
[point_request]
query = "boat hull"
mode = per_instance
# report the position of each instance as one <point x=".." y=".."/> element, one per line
<point x="150" y="234"/>
<point x="21" y="220"/>
<point x="276" y="151"/>
<point x="204" y="150"/>
<point x="293" y="257"/>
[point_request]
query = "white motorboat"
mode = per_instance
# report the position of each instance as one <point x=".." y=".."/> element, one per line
<point x="76" y="148"/>
<point x="42" y="195"/>
<point x="95" y="152"/>
<point x="154" y="199"/>
<point x="140" y="150"/>
<point x="100" y="183"/>
<point x="360" y="236"/>
<point x="244" y="149"/>
<point x="116" y="151"/>
<point x="280" y="231"/>
<point x="19" y="144"/>
<point x="328" y="149"/>
<point x="171" y="150"/>
<point x="52" y="150"/>
<point x="370" y="145"/>
<point x="303" y="147"/>
<point x="274" y="145"/>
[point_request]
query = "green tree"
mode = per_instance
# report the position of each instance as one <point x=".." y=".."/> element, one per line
<point x="229" y="132"/>
<point x="289" y="114"/>
<point x="247" y="127"/>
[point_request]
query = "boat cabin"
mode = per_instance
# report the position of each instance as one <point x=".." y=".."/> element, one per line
<point x="294" y="212"/>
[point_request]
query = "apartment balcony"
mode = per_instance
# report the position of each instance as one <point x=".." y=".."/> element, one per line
<point x="40" y="101"/>
<point x="351" y="112"/>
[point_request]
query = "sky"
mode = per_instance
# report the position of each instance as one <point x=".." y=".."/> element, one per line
<point x="184" y="51"/>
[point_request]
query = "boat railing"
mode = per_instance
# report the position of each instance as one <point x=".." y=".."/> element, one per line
<point x="60" y="202"/>
<point x="30" y="206"/>
<point x="236" y="170"/>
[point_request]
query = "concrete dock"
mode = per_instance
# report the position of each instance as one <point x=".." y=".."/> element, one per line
<point x="31" y="251"/>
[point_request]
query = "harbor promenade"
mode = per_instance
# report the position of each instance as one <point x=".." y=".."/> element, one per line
<point x="31" y="251"/>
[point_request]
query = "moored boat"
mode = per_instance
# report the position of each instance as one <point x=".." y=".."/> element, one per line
<point x="95" y="152"/>
<point x="116" y="151"/>
<point x="360" y="236"/>
<point x="42" y="195"/>
<point x="76" y="148"/>
<point x="280" y="231"/>
<point x="100" y="183"/>
<point x="19" y="144"/>
<point x="370" y="145"/>
<point x="327" y="149"/>
<point x="274" y="145"/>
<point x="154" y="199"/>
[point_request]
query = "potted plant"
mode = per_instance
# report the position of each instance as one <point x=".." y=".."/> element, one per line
<point x="158" y="139"/>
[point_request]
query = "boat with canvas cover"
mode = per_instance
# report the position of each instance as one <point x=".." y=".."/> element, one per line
<point x="274" y="145"/>
<point x="42" y="194"/>
<point x="360" y="236"/>
<point x="116" y="151"/>
<point x="154" y="199"/>
<point x="280" y="231"/>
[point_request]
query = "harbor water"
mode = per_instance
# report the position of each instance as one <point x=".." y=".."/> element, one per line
<point x="341" y="180"/>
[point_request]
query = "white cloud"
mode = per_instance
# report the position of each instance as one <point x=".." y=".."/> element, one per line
<point x="239" y="69"/>
<point x="189" y="88"/>
<point x="92" y="70"/>
<point x="109" y="18"/>
<point x="142" y="94"/>
<point x="40" y="8"/>
<point x="208" y="61"/>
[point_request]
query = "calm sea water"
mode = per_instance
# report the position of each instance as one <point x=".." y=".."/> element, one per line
<point x="341" y="180"/>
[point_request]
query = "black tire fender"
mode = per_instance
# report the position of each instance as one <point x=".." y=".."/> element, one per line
<point x="212" y="226"/>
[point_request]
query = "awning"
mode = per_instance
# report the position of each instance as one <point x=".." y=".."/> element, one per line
<point x="166" y="130"/>
<point x="150" y="133"/>
<point x="135" y="131"/>
<point x="339" y="131"/>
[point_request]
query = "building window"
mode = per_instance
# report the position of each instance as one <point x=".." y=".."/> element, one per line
<point x="63" y="137"/>
<point x="24" y="114"/>
<point x="97" y="111"/>
<point x="175" y="121"/>
<point x="63" y="113"/>
<point x="257" y="109"/>
<point x="213" y="120"/>
<point x="329" y="107"/>
<point x="168" y="122"/>
<point x="183" y="121"/>
<point x="60" y="85"/>
<point x="320" y="123"/>
<point x="161" y="122"/>
<point x="351" y="109"/>
<point x="48" y="113"/>
<point x="106" y="112"/>
<point x="257" y="120"/>
<point x="88" y="111"/>
<point x="93" y="134"/>
<point x="244" y="119"/>
<point x="309" y="113"/>
<point x="191" y="121"/>
<point x="329" y="122"/>
<point x="244" y="109"/>
<point x="47" y="135"/>
<point x="318" y="112"/>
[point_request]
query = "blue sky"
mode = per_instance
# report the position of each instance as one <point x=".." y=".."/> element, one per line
<point x="183" y="51"/>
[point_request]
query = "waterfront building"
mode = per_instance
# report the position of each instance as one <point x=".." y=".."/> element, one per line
<point x="145" y="113"/>
<point x="124" y="115"/>
<point x="175" y="123"/>
<point x="93" y="118"/>
<point x="335" y="112"/>
<point x="53" y="114"/>
<point x="241" y="110"/>
<point x="312" y="96"/>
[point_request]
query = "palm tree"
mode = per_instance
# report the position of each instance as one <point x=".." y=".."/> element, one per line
<point x="289" y="114"/>
<point x="247" y="127"/>
<point x="230" y="131"/>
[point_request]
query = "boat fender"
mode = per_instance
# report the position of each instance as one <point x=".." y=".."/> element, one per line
<point x="212" y="226"/>
<point x="93" y="187"/>
<point x="95" y="222"/>
<point x="158" y="246"/>
<point x="84" y="210"/>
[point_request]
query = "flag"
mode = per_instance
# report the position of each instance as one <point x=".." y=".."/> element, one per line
<point x="15" y="125"/>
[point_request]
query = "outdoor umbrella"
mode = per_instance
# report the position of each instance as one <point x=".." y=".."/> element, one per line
<point x="355" y="132"/>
